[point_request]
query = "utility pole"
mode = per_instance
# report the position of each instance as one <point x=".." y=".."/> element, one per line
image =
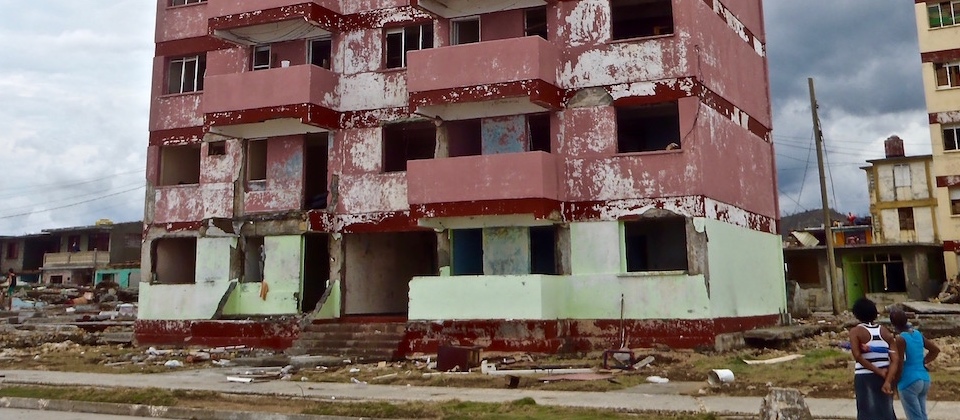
<point x="834" y="283"/>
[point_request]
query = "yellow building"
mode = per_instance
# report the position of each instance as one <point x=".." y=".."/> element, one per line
<point x="938" y="26"/>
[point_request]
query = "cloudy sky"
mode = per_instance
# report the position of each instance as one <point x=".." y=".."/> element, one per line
<point x="74" y="102"/>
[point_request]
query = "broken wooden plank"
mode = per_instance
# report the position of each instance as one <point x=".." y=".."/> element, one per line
<point x="773" y="361"/>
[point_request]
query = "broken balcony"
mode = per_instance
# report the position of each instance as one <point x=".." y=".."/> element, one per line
<point x="527" y="176"/>
<point x="271" y="21"/>
<point x="76" y="259"/>
<point x="273" y="102"/>
<point x="484" y="79"/>
<point x="182" y="21"/>
<point x="460" y="8"/>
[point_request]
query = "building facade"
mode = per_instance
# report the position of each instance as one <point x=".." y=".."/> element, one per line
<point x="511" y="174"/>
<point x="938" y="26"/>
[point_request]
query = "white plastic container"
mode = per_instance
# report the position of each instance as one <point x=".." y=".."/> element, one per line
<point x="718" y="377"/>
<point x="285" y="63"/>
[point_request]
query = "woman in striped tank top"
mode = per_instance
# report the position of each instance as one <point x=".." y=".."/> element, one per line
<point x="872" y="364"/>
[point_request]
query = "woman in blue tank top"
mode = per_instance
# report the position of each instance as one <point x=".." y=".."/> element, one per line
<point x="914" y="380"/>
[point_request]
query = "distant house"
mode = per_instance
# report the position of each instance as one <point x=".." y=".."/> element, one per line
<point x="892" y="256"/>
<point x="81" y="252"/>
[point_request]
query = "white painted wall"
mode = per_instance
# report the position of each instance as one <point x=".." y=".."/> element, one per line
<point x="192" y="301"/>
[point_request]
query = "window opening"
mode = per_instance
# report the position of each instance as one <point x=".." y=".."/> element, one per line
<point x="98" y="242"/>
<point x="948" y="74"/>
<point x="261" y="57"/>
<point x="944" y="13"/>
<point x="180" y="165"/>
<point x="402" y="40"/>
<point x="56" y="279"/>
<point x="954" y="200"/>
<point x="648" y="128"/>
<point x="640" y="18"/>
<point x="538" y="126"/>
<point x="257" y="160"/>
<point x="253" y="259"/>
<point x="407" y="141"/>
<point x="467" y="252"/>
<point x="535" y="22"/>
<point x="185" y="74"/>
<point x="465" y="137"/>
<point x="465" y="31"/>
<point x="901" y="175"/>
<point x="73" y="243"/>
<point x="543" y="250"/>
<point x="174" y="260"/>
<point x="184" y="2"/>
<point x="217" y="148"/>
<point x="315" y="169"/>
<point x="906" y="218"/>
<point x="320" y="52"/>
<point x="13" y="251"/>
<point x="951" y="138"/>
<point x="658" y="244"/>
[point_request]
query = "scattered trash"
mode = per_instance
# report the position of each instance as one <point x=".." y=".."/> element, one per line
<point x="718" y="377"/>
<point x="358" y="382"/>
<point x="389" y="375"/>
<point x="173" y="364"/>
<point x="354" y="370"/>
<point x="646" y="361"/>
<point x="490" y="369"/>
<point x="774" y="360"/>
<point x="657" y="380"/>
<point x="577" y="377"/>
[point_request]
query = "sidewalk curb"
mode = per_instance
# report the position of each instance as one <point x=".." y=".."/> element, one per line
<point x="141" y="410"/>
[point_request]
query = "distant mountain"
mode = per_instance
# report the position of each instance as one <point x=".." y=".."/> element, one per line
<point x="807" y="219"/>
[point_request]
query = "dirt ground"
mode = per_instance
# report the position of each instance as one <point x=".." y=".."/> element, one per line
<point x="824" y="371"/>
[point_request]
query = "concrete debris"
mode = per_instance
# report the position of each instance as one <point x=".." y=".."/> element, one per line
<point x="784" y="404"/>
<point x="657" y="380"/>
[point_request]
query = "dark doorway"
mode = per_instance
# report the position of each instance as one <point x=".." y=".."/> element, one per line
<point x="316" y="270"/>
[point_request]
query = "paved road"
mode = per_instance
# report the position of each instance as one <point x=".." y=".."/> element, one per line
<point x="15" y="414"/>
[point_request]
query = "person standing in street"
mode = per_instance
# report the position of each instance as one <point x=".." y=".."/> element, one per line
<point x="10" y="281"/>
<point x="872" y="366"/>
<point x="914" y="382"/>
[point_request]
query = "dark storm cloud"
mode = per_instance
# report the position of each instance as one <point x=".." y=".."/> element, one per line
<point x="862" y="54"/>
<point x="864" y="58"/>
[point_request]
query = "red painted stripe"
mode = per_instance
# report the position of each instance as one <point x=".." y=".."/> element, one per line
<point x="942" y="56"/>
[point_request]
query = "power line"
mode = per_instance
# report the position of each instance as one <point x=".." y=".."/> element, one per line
<point x="57" y="185"/>
<point x="71" y="198"/>
<point x="10" y="216"/>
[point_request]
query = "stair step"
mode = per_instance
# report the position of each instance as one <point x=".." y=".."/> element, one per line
<point x="360" y="328"/>
<point x="313" y="335"/>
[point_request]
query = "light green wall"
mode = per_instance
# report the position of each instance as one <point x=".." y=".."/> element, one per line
<point x="746" y="270"/>
<point x="281" y="273"/>
<point x="595" y="247"/>
<point x="331" y="307"/>
<point x="192" y="301"/>
<point x="552" y="297"/>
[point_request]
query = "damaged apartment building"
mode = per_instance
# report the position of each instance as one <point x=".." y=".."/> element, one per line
<point x="538" y="175"/>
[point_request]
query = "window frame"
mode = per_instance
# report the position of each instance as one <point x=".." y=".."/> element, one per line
<point x="657" y="31"/>
<point x="906" y="219"/>
<point x="951" y="71"/>
<point x="652" y="226"/>
<point x="403" y="43"/>
<point x="953" y="193"/>
<point x="902" y="176"/>
<point x="955" y="132"/>
<point x="199" y="70"/>
<point x="529" y="30"/>
<point x="255" y="52"/>
<point x="953" y="14"/>
<point x="455" y="33"/>
<point x="13" y="251"/>
<point x="177" y="3"/>
<point x="311" y="52"/>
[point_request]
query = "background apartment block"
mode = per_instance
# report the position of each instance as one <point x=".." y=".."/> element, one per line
<point x="938" y="26"/>
<point x="511" y="174"/>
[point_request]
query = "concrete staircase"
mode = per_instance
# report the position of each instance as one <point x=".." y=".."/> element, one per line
<point x="362" y="342"/>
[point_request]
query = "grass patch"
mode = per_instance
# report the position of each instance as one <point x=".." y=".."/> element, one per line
<point x="525" y="408"/>
<point x="148" y="396"/>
